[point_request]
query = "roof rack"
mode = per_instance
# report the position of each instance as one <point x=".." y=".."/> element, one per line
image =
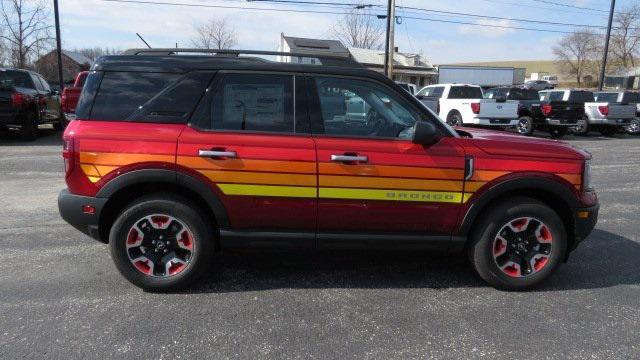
<point x="330" y="60"/>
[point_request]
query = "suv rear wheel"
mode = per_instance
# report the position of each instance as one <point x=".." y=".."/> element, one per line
<point x="525" y="126"/>
<point x="518" y="244"/>
<point x="161" y="243"/>
<point x="454" y="119"/>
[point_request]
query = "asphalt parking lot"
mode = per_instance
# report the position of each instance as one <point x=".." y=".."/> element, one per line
<point x="61" y="297"/>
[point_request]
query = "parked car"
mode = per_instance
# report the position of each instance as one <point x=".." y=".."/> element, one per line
<point x="459" y="105"/>
<point x="173" y="157"/>
<point x="552" y="79"/>
<point x="538" y="85"/>
<point x="564" y="109"/>
<point x="26" y="101"/>
<point x="609" y="113"/>
<point x="70" y="95"/>
<point x="530" y="115"/>
<point x="411" y="88"/>
<point x="624" y="97"/>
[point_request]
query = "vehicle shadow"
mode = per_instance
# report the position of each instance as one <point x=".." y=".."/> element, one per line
<point x="47" y="136"/>
<point x="604" y="260"/>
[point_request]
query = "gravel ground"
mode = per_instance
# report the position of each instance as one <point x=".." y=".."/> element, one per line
<point x="61" y="297"/>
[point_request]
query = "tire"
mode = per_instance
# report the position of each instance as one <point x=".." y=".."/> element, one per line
<point x="536" y="225"/>
<point x="161" y="217"/>
<point x="29" y="130"/>
<point x="558" y="132"/>
<point x="634" y="127"/>
<point x="608" y="130"/>
<point x="61" y="124"/>
<point x="525" y="126"/>
<point x="454" y="119"/>
<point x="583" y="128"/>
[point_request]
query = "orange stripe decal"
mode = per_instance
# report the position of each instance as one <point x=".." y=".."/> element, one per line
<point x="390" y="171"/>
<point x="473" y="186"/>
<point x="487" y="175"/>
<point x="574" y="179"/>
<point x="301" y="167"/>
<point x="121" y="159"/>
<point x="242" y="177"/>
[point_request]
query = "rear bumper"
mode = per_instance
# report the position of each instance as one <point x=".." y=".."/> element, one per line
<point x="71" y="210"/>
<point x="613" y="122"/>
<point x="494" y="122"/>
<point x="559" y="122"/>
<point x="585" y="220"/>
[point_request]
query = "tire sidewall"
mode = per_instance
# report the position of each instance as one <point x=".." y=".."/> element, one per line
<point x="482" y="251"/>
<point x="202" y="239"/>
<point x="454" y="119"/>
<point x="530" y="128"/>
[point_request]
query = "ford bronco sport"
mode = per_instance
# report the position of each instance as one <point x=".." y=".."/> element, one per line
<point x="175" y="156"/>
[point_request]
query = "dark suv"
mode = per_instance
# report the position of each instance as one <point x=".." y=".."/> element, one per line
<point x="173" y="157"/>
<point x="26" y="101"/>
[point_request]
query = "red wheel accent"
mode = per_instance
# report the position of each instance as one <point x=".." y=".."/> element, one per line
<point x="522" y="247"/>
<point x="160" y="245"/>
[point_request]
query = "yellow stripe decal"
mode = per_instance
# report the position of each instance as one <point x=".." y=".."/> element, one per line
<point x="394" y="195"/>
<point x="268" y="190"/>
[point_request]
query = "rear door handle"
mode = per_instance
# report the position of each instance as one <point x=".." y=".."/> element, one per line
<point x="217" y="154"/>
<point x="349" y="158"/>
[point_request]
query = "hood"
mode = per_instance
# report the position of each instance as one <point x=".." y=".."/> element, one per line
<point x="509" y="144"/>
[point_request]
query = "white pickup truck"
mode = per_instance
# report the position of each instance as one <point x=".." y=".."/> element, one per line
<point x="460" y="104"/>
<point x="610" y="112"/>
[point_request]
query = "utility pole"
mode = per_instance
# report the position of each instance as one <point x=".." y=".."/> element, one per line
<point x="58" y="44"/>
<point x="603" y="67"/>
<point x="389" y="47"/>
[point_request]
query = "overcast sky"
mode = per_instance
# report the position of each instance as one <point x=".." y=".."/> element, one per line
<point x="98" y="23"/>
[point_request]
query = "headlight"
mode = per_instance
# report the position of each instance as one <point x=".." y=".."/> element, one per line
<point x="586" y="176"/>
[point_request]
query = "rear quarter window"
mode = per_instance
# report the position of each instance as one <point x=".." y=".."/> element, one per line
<point x="122" y="93"/>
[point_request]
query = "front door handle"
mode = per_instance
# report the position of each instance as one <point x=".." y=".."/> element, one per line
<point x="217" y="154"/>
<point x="349" y="158"/>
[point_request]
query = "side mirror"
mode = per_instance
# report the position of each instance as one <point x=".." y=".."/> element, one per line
<point x="425" y="133"/>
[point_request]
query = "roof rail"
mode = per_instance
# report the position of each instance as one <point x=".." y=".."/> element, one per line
<point x="332" y="60"/>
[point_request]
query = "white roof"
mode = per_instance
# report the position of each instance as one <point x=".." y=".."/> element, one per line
<point x="376" y="57"/>
<point x="77" y="57"/>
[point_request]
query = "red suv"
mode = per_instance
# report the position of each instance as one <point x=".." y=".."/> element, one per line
<point x="175" y="156"/>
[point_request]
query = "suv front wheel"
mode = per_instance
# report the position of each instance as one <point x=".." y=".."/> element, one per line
<point x="518" y="244"/>
<point x="161" y="243"/>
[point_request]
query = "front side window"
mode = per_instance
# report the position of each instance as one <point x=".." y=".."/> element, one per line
<point x="363" y="109"/>
<point x="432" y="91"/>
<point x="45" y="84"/>
<point x="253" y="102"/>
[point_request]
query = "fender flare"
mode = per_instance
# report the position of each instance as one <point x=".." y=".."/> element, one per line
<point x="170" y="177"/>
<point x="562" y="191"/>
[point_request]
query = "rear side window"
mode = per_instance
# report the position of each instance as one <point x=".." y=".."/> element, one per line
<point x="581" y="96"/>
<point x="552" y="96"/>
<point x="606" y="97"/>
<point x="523" y="94"/>
<point x="465" y="92"/>
<point x="123" y="93"/>
<point x="253" y="102"/>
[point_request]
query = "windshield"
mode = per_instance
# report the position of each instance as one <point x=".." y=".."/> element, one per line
<point x="16" y="78"/>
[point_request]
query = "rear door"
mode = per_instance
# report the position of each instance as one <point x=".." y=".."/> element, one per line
<point x="371" y="177"/>
<point x="246" y="143"/>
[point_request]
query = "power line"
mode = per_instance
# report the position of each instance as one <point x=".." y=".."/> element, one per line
<point x="151" y="2"/>
<point x="570" y="6"/>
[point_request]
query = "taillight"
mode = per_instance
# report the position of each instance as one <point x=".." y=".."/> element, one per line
<point x="18" y="99"/>
<point x="547" y="109"/>
<point x="604" y="110"/>
<point x="68" y="155"/>
<point x="475" y="108"/>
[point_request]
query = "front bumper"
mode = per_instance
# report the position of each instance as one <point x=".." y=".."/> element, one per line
<point x="584" y="220"/>
<point x="72" y="207"/>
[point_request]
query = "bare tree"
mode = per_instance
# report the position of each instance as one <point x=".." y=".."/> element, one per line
<point x="215" y="34"/>
<point x="576" y="52"/>
<point x="96" y="52"/>
<point x="359" y="29"/>
<point x="625" y="37"/>
<point x="26" y="29"/>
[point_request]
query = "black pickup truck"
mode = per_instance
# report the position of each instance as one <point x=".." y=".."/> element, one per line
<point x="26" y="101"/>
<point x="563" y="109"/>
<point x="530" y="116"/>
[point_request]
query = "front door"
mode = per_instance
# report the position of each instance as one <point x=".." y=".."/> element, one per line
<point x="371" y="177"/>
<point x="255" y="154"/>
